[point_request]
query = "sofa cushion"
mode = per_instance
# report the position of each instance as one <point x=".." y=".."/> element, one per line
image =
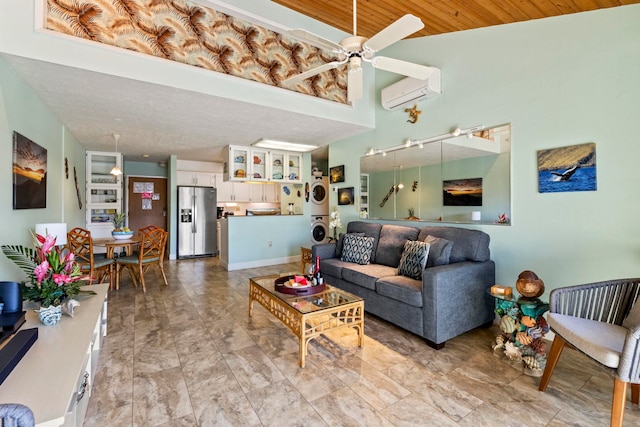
<point x="414" y="259"/>
<point x="370" y="229"/>
<point x="439" y="251"/>
<point x="340" y="243"/>
<point x="366" y="275"/>
<point x="357" y="249"/>
<point x="391" y="243"/>
<point x="332" y="266"/>
<point x="472" y="245"/>
<point x="401" y="288"/>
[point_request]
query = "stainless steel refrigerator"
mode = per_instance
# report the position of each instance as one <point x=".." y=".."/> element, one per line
<point x="197" y="222"/>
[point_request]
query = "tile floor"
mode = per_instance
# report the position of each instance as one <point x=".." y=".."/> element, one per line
<point x="189" y="355"/>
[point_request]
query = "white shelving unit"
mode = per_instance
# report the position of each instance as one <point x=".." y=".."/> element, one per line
<point x="364" y="194"/>
<point x="104" y="192"/>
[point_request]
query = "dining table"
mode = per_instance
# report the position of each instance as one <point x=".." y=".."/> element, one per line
<point x="111" y="244"/>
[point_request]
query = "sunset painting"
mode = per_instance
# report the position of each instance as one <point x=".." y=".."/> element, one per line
<point x="462" y="192"/>
<point x="29" y="174"/>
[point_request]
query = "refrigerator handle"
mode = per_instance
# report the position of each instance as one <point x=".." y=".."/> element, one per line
<point x="195" y="214"/>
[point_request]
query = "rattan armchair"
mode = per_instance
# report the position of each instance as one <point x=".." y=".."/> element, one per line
<point x="590" y="318"/>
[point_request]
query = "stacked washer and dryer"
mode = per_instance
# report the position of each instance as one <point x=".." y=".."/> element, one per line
<point x="319" y="197"/>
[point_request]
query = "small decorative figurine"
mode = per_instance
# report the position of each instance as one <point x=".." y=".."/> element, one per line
<point x="413" y="113"/>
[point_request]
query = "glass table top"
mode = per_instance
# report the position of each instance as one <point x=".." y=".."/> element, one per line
<point x="329" y="298"/>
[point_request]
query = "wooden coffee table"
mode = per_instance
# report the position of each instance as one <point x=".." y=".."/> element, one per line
<point x="312" y="315"/>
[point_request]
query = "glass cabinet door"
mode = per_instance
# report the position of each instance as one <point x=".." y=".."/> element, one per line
<point x="100" y="164"/>
<point x="239" y="163"/>
<point x="364" y="195"/>
<point x="259" y="163"/>
<point x="295" y="167"/>
<point x="103" y="195"/>
<point x="277" y="166"/>
<point x="101" y="215"/>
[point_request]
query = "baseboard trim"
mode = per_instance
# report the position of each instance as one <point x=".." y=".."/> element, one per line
<point x="259" y="263"/>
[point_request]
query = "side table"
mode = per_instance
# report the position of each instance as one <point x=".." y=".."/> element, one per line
<point x="522" y="330"/>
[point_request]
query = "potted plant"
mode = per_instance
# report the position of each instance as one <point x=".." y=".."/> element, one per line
<point x="120" y="232"/>
<point x="54" y="276"/>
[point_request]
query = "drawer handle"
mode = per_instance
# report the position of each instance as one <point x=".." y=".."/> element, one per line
<point x="83" y="387"/>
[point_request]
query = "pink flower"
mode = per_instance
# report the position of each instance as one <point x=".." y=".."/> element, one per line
<point x="41" y="271"/>
<point x="48" y="243"/>
<point x="68" y="262"/>
<point x="62" y="279"/>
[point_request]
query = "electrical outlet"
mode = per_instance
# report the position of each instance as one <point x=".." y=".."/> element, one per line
<point x="270" y="243"/>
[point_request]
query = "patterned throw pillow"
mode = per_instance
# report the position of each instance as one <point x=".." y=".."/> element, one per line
<point x="357" y="249"/>
<point x="414" y="259"/>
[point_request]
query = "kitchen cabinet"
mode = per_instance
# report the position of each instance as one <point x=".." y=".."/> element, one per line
<point x="243" y="164"/>
<point x="202" y="179"/>
<point x="264" y="192"/>
<point x="229" y="191"/>
<point x="103" y="192"/>
<point x="259" y="165"/>
<point x="236" y="163"/>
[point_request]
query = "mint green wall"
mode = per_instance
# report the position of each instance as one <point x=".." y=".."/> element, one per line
<point x="144" y="169"/>
<point x="22" y="111"/>
<point x="558" y="81"/>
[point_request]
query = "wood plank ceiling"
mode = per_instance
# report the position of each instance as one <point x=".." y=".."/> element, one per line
<point x="440" y="16"/>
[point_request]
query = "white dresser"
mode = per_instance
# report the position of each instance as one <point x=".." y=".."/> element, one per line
<point x="50" y="379"/>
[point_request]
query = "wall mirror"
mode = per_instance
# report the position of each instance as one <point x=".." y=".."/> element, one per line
<point x="465" y="179"/>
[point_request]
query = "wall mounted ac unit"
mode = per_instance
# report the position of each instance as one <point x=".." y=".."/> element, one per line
<point x="410" y="90"/>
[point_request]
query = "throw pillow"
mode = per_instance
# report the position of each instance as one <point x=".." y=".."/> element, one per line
<point x="340" y="242"/>
<point x="633" y="318"/>
<point x="414" y="259"/>
<point x="439" y="251"/>
<point x="357" y="249"/>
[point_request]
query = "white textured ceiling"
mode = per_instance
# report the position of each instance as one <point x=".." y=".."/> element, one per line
<point x="159" y="120"/>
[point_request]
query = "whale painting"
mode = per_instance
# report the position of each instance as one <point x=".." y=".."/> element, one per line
<point x="570" y="168"/>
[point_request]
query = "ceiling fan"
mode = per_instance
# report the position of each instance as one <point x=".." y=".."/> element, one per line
<point x="356" y="49"/>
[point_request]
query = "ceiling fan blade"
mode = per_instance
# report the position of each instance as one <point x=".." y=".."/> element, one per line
<point x="312" y="72"/>
<point x="405" y="68"/>
<point x="354" y="84"/>
<point x="398" y="30"/>
<point x="315" y="40"/>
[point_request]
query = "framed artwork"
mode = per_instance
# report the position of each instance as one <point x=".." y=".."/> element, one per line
<point x="571" y="168"/>
<point x="462" y="192"/>
<point x="29" y="174"/>
<point x="345" y="196"/>
<point x="336" y="174"/>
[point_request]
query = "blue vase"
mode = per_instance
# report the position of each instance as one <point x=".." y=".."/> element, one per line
<point x="51" y="315"/>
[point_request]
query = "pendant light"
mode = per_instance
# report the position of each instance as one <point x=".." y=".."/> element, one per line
<point x="116" y="169"/>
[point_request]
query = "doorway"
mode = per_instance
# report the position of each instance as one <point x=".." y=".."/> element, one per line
<point x="146" y="202"/>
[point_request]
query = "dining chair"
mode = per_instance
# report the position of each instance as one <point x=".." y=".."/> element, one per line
<point x="79" y="242"/>
<point x="147" y="229"/>
<point x="601" y="320"/>
<point x="151" y="252"/>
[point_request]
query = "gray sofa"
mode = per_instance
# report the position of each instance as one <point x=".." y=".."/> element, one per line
<point x="451" y="298"/>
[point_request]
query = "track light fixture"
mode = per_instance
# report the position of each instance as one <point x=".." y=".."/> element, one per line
<point x="420" y="142"/>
